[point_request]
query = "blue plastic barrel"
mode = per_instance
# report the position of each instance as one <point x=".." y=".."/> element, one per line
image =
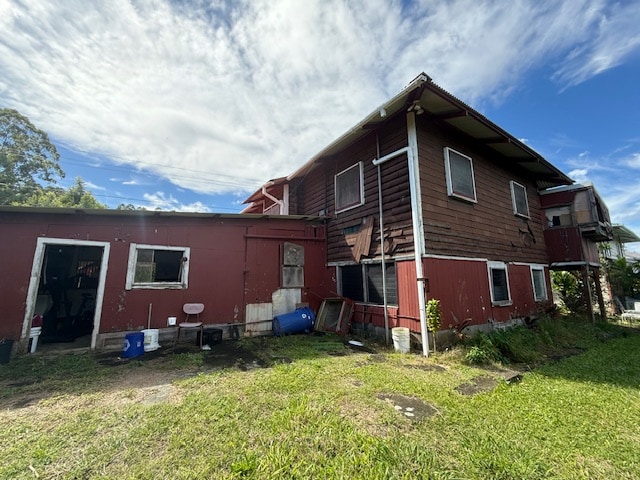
<point x="299" y="321"/>
<point x="133" y="345"/>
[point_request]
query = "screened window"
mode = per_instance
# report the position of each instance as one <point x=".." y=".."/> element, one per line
<point x="539" y="283"/>
<point x="519" y="200"/>
<point x="349" y="188"/>
<point x="459" y="172"/>
<point x="157" y="267"/>
<point x="499" y="283"/>
<point x="363" y="283"/>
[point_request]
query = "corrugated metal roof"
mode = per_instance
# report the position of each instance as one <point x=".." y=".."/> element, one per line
<point x="623" y="235"/>
<point x="439" y="104"/>
<point x="148" y="213"/>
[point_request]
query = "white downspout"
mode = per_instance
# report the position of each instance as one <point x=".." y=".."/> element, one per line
<point x="382" y="254"/>
<point x="416" y="218"/>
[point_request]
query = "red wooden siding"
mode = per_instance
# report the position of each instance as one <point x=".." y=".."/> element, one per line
<point x="462" y="286"/>
<point x="564" y="244"/>
<point x="234" y="261"/>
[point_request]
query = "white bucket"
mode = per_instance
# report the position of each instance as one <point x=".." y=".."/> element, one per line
<point x="34" y="335"/>
<point x="151" y="336"/>
<point x="401" y="339"/>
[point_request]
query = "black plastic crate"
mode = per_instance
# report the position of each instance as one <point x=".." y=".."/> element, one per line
<point x="211" y="336"/>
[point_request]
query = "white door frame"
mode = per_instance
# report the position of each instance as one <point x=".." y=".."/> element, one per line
<point x="36" y="271"/>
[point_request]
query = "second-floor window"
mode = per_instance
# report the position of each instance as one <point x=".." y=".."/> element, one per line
<point x="519" y="199"/>
<point x="459" y="171"/>
<point x="349" y="188"/>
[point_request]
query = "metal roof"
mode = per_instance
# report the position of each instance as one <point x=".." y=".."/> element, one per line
<point x="427" y="98"/>
<point x="623" y="235"/>
<point x="104" y="212"/>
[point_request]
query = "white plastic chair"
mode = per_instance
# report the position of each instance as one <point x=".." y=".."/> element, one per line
<point x="191" y="309"/>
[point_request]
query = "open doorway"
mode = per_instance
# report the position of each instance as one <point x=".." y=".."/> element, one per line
<point x="65" y="297"/>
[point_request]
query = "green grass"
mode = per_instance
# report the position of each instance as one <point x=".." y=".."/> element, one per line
<point x="320" y="415"/>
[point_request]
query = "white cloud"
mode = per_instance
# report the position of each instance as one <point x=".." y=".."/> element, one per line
<point x="92" y="186"/>
<point x="160" y="201"/>
<point x="614" y="37"/>
<point x="221" y="97"/>
<point x="580" y="175"/>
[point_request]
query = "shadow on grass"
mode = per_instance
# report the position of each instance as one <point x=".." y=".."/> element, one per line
<point x="614" y="361"/>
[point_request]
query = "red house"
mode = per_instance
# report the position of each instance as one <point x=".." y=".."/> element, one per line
<point x="427" y="198"/>
<point x="576" y="220"/>
<point x="96" y="274"/>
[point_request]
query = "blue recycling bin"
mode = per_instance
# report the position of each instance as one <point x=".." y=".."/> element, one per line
<point x="301" y="320"/>
<point x="133" y="345"/>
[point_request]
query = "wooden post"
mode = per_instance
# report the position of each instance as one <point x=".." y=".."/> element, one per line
<point x="587" y="292"/>
<point x="596" y="279"/>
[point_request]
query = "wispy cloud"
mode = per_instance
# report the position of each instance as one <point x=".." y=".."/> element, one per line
<point x="220" y="96"/>
<point x="160" y="201"/>
<point x="614" y="36"/>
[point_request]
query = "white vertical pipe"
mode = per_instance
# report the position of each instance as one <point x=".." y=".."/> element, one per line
<point x="418" y="226"/>
<point x="416" y="218"/>
<point x="384" y="265"/>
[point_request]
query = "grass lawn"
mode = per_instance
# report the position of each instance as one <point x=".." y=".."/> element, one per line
<point x="322" y="410"/>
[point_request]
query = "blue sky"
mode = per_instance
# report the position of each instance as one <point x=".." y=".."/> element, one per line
<point x="192" y="105"/>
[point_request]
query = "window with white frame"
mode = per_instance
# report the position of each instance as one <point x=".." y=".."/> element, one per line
<point x="363" y="283"/>
<point x="499" y="283"/>
<point x="459" y="172"/>
<point x="349" y="188"/>
<point x="539" y="283"/>
<point x="519" y="199"/>
<point x="153" y="266"/>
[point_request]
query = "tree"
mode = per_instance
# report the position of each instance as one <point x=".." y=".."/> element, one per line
<point x="76" y="196"/>
<point x="27" y="159"/>
<point x="624" y="277"/>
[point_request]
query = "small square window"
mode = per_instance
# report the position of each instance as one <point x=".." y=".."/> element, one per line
<point x="157" y="267"/>
<point x="519" y="199"/>
<point x="539" y="284"/>
<point x="459" y="172"/>
<point x="499" y="283"/>
<point x="349" y="188"/>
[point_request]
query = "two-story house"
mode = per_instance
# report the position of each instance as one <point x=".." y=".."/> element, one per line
<point x="427" y="198"/>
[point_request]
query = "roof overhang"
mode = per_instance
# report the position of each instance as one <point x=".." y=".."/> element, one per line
<point x="622" y="234"/>
<point x="426" y="98"/>
<point x="103" y="212"/>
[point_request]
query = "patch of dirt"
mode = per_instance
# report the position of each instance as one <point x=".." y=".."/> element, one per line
<point x="558" y="355"/>
<point x="480" y="384"/>
<point x="411" y="408"/>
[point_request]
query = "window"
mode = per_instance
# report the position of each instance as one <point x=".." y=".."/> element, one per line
<point x="539" y="283"/>
<point x="157" y="267"/>
<point x="363" y="283"/>
<point x="519" y="199"/>
<point x="349" y="188"/>
<point x="559" y="216"/>
<point x="499" y="283"/>
<point x="460" y="180"/>
<point x="351" y="285"/>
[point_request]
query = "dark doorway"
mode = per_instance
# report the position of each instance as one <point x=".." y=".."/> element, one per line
<point x="67" y="292"/>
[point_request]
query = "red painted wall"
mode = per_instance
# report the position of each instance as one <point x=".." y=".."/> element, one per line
<point x="235" y="260"/>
